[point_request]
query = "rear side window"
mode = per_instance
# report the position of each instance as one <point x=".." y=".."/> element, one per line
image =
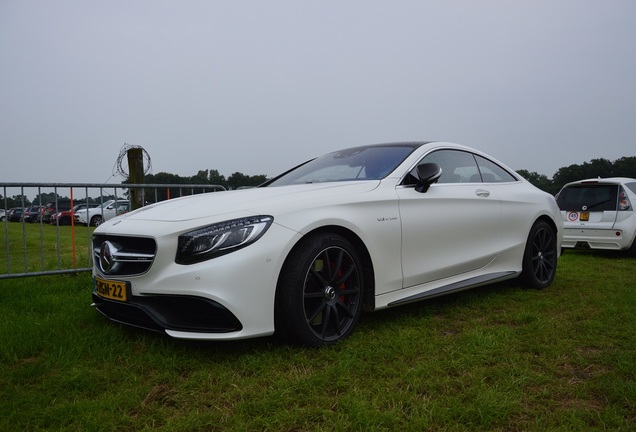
<point x="493" y="173"/>
<point x="588" y="197"/>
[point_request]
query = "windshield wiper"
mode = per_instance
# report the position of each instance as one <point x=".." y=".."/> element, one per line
<point x="597" y="204"/>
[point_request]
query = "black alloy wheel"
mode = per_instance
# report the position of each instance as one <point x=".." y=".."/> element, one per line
<point x="540" y="257"/>
<point x="319" y="297"/>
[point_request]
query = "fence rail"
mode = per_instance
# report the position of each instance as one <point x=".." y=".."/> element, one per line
<point x="33" y="246"/>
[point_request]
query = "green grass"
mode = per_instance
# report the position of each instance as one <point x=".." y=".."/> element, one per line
<point x="495" y="358"/>
<point x="48" y="247"/>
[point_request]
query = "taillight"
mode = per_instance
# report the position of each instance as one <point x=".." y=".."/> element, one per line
<point x="623" y="200"/>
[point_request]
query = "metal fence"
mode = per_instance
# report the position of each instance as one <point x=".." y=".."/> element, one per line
<point x="33" y="246"/>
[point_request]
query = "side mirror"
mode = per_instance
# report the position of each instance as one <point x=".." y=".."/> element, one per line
<point x="428" y="174"/>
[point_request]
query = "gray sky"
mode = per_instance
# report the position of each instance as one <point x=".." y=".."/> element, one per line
<point x="260" y="86"/>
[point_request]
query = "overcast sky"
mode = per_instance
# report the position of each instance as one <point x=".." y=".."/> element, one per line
<point x="260" y="86"/>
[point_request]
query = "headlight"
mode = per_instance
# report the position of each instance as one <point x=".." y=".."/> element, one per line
<point x="220" y="239"/>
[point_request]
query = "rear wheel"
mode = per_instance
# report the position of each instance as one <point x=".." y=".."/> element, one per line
<point x="540" y="257"/>
<point x="319" y="293"/>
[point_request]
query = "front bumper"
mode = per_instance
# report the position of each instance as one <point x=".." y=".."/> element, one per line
<point x="225" y="298"/>
<point x="170" y="313"/>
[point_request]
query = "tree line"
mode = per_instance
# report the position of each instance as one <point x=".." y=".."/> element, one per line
<point x="604" y="168"/>
<point x="203" y="177"/>
<point x="622" y="167"/>
<point x="211" y="177"/>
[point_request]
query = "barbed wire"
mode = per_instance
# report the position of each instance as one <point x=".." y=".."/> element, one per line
<point x="118" y="168"/>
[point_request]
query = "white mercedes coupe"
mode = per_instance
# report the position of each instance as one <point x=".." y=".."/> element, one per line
<point x="302" y="255"/>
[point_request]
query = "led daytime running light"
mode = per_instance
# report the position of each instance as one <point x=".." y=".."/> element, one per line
<point x="219" y="239"/>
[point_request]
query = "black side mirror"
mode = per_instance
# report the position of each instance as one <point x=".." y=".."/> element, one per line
<point x="428" y="174"/>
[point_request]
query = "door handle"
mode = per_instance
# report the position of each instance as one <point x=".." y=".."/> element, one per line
<point x="482" y="193"/>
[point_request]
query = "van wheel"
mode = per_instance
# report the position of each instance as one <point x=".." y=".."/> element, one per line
<point x="632" y="249"/>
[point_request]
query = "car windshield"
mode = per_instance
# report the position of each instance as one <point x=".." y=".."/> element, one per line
<point x="588" y="197"/>
<point x="359" y="163"/>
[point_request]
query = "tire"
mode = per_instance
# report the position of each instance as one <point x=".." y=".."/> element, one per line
<point x="540" y="257"/>
<point x="319" y="292"/>
<point x="96" y="221"/>
<point x="631" y="252"/>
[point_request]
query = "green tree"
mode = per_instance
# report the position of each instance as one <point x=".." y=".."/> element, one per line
<point x="539" y="180"/>
<point x="568" y="174"/>
<point x="17" y="201"/>
<point x="45" y="198"/>
<point x="200" y="178"/>
<point x="238" y="180"/>
<point x="215" y="178"/>
<point x="625" y="167"/>
<point x="598" y="168"/>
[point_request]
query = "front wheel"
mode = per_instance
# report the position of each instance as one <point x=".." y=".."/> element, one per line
<point x="540" y="257"/>
<point x="96" y="221"/>
<point x="319" y="293"/>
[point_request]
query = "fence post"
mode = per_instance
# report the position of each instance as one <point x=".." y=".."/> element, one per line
<point x="136" y="168"/>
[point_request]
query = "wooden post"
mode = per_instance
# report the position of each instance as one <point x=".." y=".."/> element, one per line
<point x="136" y="176"/>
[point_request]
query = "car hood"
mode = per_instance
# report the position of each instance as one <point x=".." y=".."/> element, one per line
<point x="266" y="200"/>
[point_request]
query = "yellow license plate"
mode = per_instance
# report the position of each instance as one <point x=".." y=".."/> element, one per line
<point x="584" y="216"/>
<point x="113" y="290"/>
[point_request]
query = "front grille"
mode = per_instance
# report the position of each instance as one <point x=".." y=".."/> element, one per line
<point x="123" y="256"/>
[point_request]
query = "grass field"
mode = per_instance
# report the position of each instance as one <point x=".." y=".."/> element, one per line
<point x="495" y="358"/>
<point x="35" y="247"/>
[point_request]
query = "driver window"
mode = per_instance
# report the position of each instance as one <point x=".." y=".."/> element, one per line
<point x="457" y="166"/>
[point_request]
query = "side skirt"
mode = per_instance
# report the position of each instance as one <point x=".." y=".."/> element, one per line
<point x="457" y="286"/>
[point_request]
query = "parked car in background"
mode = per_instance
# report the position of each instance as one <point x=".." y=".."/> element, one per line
<point x="65" y="217"/>
<point x="3" y="215"/>
<point x="15" y="214"/>
<point x="55" y="207"/>
<point x="599" y="214"/>
<point x="32" y="214"/>
<point x="96" y="215"/>
<point x="303" y="254"/>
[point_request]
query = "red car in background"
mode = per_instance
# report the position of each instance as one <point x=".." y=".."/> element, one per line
<point x="65" y="217"/>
